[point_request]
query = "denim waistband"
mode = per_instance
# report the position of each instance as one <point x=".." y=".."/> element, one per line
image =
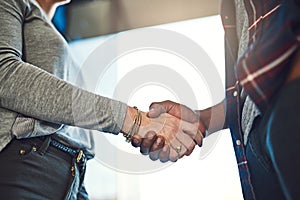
<point x="64" y="148"/>
<point x="78" y="154"/>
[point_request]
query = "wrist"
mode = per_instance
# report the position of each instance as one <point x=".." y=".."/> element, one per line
<point x="128" y="133"/>
<point x="204" y="117"/>
<point x="213" y="118"/>
<point x="128" y="120"/>
<point x="135" y="122"/>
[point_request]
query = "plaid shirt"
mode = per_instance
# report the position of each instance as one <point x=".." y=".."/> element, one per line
<point x="274" y="38"/>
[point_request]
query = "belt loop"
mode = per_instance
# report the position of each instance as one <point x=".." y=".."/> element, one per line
<point x="42" y="150"/>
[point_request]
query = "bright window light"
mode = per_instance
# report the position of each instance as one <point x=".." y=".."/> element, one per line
<point x="210" y="172"/>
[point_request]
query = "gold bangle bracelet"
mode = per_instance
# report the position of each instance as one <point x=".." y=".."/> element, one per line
<point x="135" y="126"/>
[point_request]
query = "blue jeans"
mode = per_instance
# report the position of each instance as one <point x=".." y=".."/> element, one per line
<point x="274" y="147"/>
<point x="33" y="169"/>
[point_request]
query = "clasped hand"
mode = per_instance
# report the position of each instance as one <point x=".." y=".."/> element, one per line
<point x="169" y="131"/>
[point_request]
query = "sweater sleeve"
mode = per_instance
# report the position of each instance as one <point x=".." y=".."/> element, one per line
<point x="31" y="91"/>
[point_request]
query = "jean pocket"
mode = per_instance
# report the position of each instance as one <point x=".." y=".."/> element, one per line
<point x="27" y="149"/>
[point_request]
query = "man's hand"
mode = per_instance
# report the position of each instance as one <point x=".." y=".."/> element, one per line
<point x="181" y="112"/>
<point x="164" y="135"/>
<point x="177" y="110"/>
<point x="155" y="145"/>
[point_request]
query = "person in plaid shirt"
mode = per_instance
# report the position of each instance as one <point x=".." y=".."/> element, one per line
<point x="262" y="96"/>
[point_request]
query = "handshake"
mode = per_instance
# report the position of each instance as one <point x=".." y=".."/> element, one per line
<point x="167" y="132"/>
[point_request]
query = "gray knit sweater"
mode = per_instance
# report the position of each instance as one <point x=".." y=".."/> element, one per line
<point x="35" y="98"/>
<point x="250" y="110"/>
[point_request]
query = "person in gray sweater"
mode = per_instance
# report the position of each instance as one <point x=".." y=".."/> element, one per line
<point x="40" y="157"/>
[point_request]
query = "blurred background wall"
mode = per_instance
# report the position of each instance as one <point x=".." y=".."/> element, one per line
<point x="90" y="18"/>
<point x="210" y="173"/>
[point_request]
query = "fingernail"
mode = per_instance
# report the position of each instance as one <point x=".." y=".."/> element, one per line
<point x="158" y="141"/>
<point x="135" y="141"/>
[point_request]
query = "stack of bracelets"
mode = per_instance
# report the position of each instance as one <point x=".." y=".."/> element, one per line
<point x="135" y="126"/>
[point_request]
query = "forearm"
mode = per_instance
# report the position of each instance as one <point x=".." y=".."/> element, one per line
<point x="33" y="92"/>
<point x="213" y="117"/>
<point x="28" y="89"/>
<point x="131" y="113"/>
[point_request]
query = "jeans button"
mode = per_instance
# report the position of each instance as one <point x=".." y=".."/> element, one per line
<point x="22" y="151"/>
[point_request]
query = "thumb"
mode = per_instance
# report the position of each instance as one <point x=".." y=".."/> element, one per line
<point x="155" y="110"/>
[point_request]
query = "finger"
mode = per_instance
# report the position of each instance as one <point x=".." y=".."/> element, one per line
<point x="164" y="154"/>
<point x="136" y="140"/>
<point x="187" y="141"/>
<point x="147" y="142"/>
<point x="155" y="110"/>
<point x="190" y="149"/>
<point x="173" y="155"/>
<point x="202" y="128"/>
<point x="177" y="110"/>
<point x="177" y="150"/>
<point x="199" y="138"/>
<point x="156" y="147"/>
